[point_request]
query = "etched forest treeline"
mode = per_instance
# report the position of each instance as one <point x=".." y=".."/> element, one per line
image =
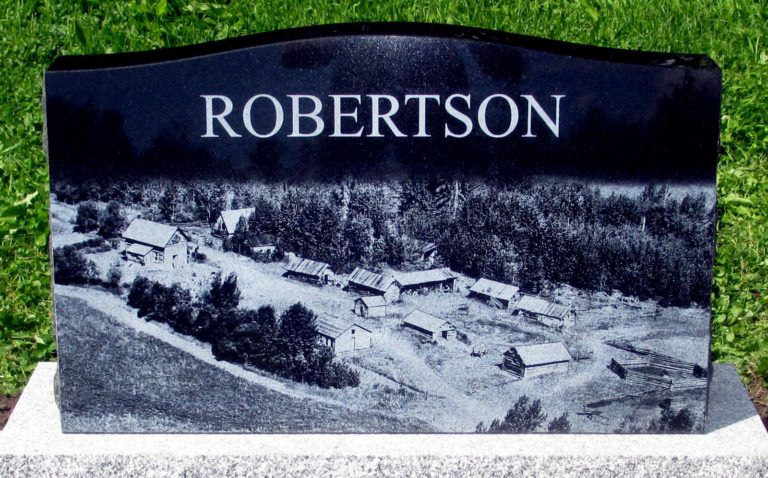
<point x="653" y="245"/>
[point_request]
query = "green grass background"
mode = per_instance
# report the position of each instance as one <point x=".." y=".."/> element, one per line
<point x="734" y="33"/>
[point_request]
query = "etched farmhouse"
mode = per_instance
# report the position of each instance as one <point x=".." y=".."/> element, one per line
<point x="341" y="335"/>
<point x="443" y="280"/>
<point x="148" y="242"/>
<point x="371" y="306"/>
<point x="226" y="223"/>
<point x="495" y="294"/>
<point x="534" y="360"/>
<point x="309" y="271"/>
<point x="548" y="313"/>
<point x="428" y="326"/>
<point x="365" y="281"/>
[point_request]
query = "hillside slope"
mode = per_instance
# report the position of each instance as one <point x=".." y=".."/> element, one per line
<point x="123" y="373"/>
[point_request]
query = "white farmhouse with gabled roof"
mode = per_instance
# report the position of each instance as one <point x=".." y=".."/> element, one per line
<point x="226" y="223"/>
<point x="341" y="335"/>
<point x="148" y="242"/>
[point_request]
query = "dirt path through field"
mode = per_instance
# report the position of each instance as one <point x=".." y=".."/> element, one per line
<point x="116" y="308"/>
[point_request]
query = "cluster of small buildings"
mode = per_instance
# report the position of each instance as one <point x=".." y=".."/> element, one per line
<point x="147" y="242"/>
<point x="377" y="291"/>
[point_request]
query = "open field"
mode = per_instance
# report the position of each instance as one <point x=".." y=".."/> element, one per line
<point x="159" y="387"/>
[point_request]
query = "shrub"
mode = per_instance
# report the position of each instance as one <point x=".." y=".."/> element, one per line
<point x="672" y="421"/>
<point x="560" y="424"/>
<point x="72" y="267"/>
<point x="87" y="219"/>
<point x="223" y="294"/>
<point x="139" y="292"/>
<point x="114" y="275"/>
<point x="524" y="416"/>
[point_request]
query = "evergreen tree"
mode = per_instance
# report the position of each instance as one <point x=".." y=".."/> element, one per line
<point x="296" y="340"/>
<point x="560" y="424"/>
<point x="524" y="416"/>
<point x="358" y="234"/>
<point x="170" y="203"/>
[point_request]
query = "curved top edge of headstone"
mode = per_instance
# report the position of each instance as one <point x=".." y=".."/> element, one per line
<point x="122" y="60"/>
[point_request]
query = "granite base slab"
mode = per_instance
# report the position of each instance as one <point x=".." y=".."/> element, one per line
<point x="735" y="444"/>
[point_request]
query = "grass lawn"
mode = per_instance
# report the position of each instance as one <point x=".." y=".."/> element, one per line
<point x="33" y="33"/>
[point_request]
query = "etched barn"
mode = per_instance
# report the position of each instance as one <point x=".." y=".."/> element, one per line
<point x="534" y="360"/>
<point x="365" y="281"/>
<point x="371" y="306"/>
<point x="147" y="242"/>
<point x="309" y="271"/>
<point x="341" y="335"/>
<point x="226" y="222"/>
<point x="443" y="280"/>
<point x="428" y="326"/>
<point x="495" y="294"/>
<point x="548" y="313"/>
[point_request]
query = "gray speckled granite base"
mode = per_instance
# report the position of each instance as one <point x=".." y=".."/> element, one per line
<point x="736" y="444"/>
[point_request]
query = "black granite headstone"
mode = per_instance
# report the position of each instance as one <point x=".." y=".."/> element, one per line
<point x="383" y="228"/>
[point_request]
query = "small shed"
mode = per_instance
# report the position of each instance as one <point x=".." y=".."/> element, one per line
<point x="341" y="335"/>
<point x="226" y="222"/>
<point x="429" y="326"/>
<point x="534" y="360"/>
<point x="371" y="306"/>
<point x="496" y="294"/>
<point x="309" y="270"/>
<point x="426" y="251"/>
<point x="443" y="280"/>
<point x="363" y="280"/>
<point x="548" y="313"/>
<point x="149" y="242"/>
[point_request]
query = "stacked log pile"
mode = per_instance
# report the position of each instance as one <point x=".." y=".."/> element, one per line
<point x="652" y="369"/>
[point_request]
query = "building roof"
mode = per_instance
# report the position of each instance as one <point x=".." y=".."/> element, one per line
<point x="424" y="246"/>
<point x="371" y="280"/>
<point x="537" y="305"/>
<point x="139" y="249"/>
<point x="424" y="277"/>
<point x="373" y="301"/>
<point x="232" y="217"/>
<point x="306" y="266"/>
<point x="494" y="289"/>
<point x="539" y="354"/>
<point x="331" y="326"/>
<point x="151" y="233"/>
<point x="426" y="321"/>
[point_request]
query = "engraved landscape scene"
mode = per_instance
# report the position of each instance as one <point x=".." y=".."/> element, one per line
<point x="426" y="305"/>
